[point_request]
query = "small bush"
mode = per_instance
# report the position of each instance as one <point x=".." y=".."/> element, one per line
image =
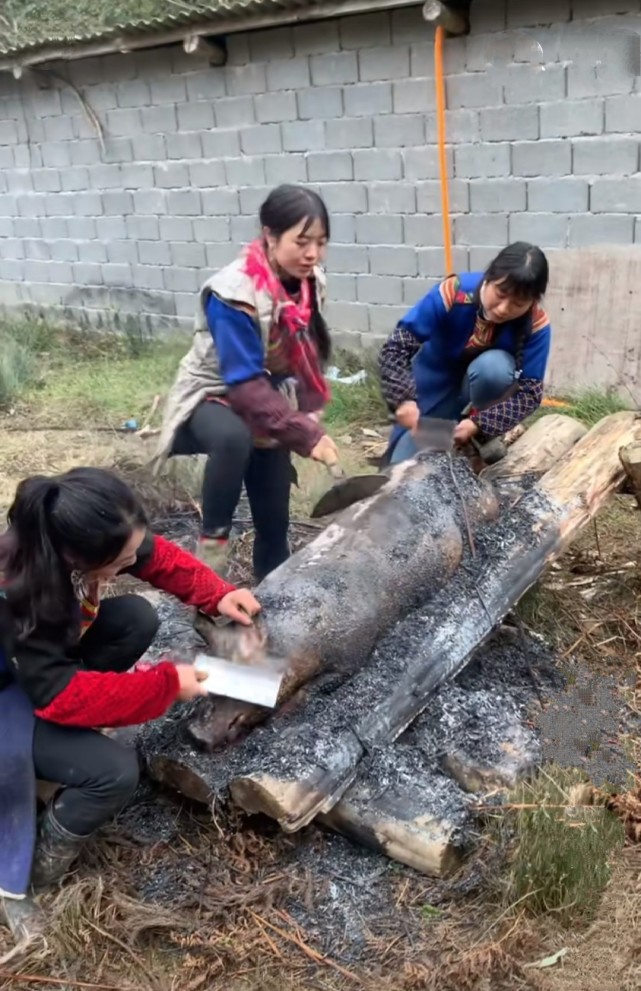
<point x="18" y="368"/>
<point x="558" y="851"/>
<point x="359" y="404"/>
<point x="592" y="405"/>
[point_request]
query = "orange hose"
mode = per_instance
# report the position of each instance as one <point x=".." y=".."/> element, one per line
<point x="439" y="80"/>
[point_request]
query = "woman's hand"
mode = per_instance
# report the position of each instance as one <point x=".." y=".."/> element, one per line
<point x="464" y="432"/>
<point x="190" y="682"/>
<point x="325" y="451"/>
<point x="239" y="606"/>
<point x="408" y="415"/>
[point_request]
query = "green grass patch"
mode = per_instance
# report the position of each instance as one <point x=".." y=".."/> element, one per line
<point x="108" y="389"/>
<point x="592" y="405"/>
<point x="356" y="405"/>
<point x="73" y="377"/>
<point x="589" y="406"/>
<point x="360" y="404"/>
<point x="559" y="851"/>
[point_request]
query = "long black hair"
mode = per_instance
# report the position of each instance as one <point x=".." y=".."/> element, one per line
<point x="285" y="207"/>
<point x="523" y="272"/>
<point x="77" y="521"/>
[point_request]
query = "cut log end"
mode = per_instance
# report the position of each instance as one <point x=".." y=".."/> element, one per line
<point x="429" y="844"/>
<point x="537" y="449"/>
<point x="293" y="804"/>
<point x="177" y="776"/>
<point x="631" y="460"/>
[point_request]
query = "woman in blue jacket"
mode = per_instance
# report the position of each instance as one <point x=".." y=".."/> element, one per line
<point x="474" y="349"/>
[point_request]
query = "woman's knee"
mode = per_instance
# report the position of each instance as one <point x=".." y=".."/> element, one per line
<point x="96" y="790"/>
<point x="221" y="433"/>
<point x="140" y="619"/>
<point x="118" y="778"/>
<point x="490" y="375"/>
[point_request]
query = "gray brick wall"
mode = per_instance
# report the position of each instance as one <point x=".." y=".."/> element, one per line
<point x="544" y="126"/>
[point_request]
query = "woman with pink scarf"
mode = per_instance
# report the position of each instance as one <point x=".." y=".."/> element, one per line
<point x="251" y="390"/>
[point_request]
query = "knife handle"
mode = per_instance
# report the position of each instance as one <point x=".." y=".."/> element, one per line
<point x="336" y="472"/>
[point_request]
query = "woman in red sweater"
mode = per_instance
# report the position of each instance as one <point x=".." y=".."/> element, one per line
<point x="68" y="655"/>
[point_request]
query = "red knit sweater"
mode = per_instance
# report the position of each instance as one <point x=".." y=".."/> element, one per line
<point x="93" y="698"/>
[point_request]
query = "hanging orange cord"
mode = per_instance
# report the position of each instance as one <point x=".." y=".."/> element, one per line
<point x="439" y="80"/>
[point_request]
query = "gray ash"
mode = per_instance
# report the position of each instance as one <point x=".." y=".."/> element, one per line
<point x="586" y="727"/>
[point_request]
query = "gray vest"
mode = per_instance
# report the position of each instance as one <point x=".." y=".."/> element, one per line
<point x="199" y="371"/>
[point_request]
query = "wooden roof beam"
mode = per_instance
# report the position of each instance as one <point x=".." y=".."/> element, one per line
<point x="454" y="18"/>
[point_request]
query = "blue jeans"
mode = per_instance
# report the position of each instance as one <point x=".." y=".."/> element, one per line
<point x="488" y="378"/>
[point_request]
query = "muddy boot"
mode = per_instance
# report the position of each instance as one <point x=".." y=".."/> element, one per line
<point x="56" y="850"/>
<point x="215" y="553"/>
<point x="24" y="918"/>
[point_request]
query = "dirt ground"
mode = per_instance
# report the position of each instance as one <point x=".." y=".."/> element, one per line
<point x="117" y="927"/>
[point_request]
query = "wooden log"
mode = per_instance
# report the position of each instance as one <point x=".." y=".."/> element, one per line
<point x="473" y="732"/>
<point x="325" y="608"/>
<point x="419" y="819"/>
<point x="433" y="644"/>
<point x="454" y="18"/>
<point x="631" y="461"/>
<point x="195" y="44"/>
<point x="515" y="757"/>
<point x="538" y="448"/>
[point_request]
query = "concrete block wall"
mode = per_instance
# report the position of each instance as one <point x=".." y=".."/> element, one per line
<point x="543" y="124"/>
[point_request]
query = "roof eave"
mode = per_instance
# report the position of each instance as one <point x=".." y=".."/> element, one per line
<point x="125" y="42"/>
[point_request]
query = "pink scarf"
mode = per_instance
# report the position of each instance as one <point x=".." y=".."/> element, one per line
<point x="294" y="319"/>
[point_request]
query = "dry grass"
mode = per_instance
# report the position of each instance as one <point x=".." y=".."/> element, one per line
<point x="588" y="604"/>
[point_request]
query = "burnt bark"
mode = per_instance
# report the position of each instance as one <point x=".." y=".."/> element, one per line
<point x="300" y="765"/>
<point x="442" y="636"/>
<point x="325" y="608"/>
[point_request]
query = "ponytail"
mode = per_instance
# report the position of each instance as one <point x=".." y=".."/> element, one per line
<point x="318" y="329"/>
<point x="77" y="521"/>
<point x="34" y="569"/>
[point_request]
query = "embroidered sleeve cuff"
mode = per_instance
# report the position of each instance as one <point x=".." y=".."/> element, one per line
<point x="498" y="419"/>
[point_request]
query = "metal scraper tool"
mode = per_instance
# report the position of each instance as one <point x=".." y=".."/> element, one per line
<point x="246" y="683"/>
<point x="346" y="491"/>
<point x="435" y="435"/>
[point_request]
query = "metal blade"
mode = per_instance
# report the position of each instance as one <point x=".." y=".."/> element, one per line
<point x="258" y="685"/>
<point x="346" y="492"/>
<point x="435" y="435"/>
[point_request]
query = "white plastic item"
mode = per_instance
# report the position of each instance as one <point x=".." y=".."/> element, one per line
<point x="257" y="685"/>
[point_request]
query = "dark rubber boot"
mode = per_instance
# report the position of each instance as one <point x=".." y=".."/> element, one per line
<point x="56" y="850"/>
<point x="493" y="450"/>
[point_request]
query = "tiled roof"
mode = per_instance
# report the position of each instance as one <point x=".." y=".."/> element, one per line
<point x="94" y="22"/>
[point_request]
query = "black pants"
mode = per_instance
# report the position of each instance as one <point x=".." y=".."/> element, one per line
<point x="99" y="775"/>
<point x="217" y="431"/>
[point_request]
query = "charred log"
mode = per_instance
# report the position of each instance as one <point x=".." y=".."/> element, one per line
<point x="302" y="764"/>
<point x="443" y="635"/>
<point x="325" y="608"/>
